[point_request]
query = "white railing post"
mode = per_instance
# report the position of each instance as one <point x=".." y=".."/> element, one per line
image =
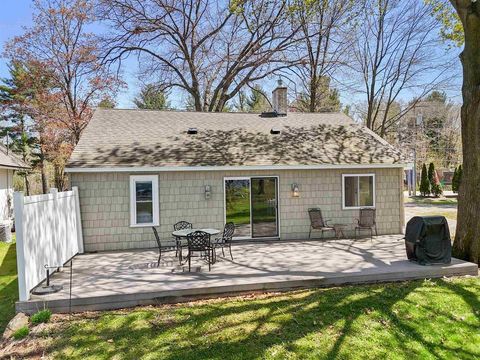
<point x="78" y="219"/>
<point x="56" y="228"/>
<point x="18" y="202"/>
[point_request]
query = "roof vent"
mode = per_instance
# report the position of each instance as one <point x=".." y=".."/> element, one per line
<point x="268" y="114"/>
<point x="275" y="131"/>
<point x="271" y="114"/>
<point x="192" y="131"/>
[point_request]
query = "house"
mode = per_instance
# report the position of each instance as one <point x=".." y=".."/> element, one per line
<point x="9" y="163"/>
<point x="138" y="168"/>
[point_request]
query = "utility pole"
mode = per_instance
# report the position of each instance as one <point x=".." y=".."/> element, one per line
<point x="418" y="122"/>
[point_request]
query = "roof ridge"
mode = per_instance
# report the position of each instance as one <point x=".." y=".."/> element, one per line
<point x="218" y="113"/>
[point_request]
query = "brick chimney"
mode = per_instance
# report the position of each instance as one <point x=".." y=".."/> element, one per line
<point x="279" y="99"/>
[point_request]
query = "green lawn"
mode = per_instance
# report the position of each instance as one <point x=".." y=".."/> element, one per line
<point x="448" y="214"/>
<point x="409" y="320"/>
<point x="239" y="212"/>
<point x="8" y="283"/>
<point x="417" y="319"/>
<point x="431" y="200"/>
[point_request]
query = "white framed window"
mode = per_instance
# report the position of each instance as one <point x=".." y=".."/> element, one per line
<point x="358" y="191"/>
<point x="144" y="200"/>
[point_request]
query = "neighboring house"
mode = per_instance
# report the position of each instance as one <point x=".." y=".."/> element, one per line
<point x="136" y="169"/>
<point x="9" y="163"/>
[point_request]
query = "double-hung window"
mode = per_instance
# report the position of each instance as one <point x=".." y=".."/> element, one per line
<point x="144" y="200"/>
<point x="358" y="191"/>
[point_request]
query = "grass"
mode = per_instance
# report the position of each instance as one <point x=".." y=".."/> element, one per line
<point x="417" y="319"/>
<point x="8" y="283"/>
<point x="239" y="212"/>
<point x="21" y="333"/>
<point x="448" y="214"/>
<point x="42" y="316"/>
<point x="431" y="201"/>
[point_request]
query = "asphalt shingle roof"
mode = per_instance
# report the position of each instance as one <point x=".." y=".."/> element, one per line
<point x="11" y="160"/>
<point x="133" y="138"/>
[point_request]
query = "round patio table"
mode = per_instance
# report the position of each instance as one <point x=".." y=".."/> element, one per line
<point x="184" y="232"/>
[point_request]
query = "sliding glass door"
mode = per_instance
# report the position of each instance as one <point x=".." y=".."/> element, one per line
<point x="237" y="205"/>
<point x="251" y="203"/>
<point x="264" y="207"/>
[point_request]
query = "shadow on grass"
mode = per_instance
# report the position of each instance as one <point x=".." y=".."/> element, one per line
<point x="363" y="321"/>
<point x="469" y="297"/>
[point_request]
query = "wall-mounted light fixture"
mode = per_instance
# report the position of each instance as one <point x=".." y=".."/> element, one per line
<point x="295" y="190"/>
<point x="208" y="192"/>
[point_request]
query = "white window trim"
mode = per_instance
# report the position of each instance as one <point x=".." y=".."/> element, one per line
<point x="133" y="209"/>
<point x="343" y="192"/>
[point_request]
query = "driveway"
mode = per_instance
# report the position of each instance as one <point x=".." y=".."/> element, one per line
<point x="420" y="207"/>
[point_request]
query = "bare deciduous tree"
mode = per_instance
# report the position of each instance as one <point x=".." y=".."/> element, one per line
<point x="397" y="51"/>
<point x="209" y="49"/>
<point x="64" y="55"/>
<point x="431" y="129"/>
<point x="467" y="238"/>
<point x="59" y="41"/>
<point x="327" y="28"/>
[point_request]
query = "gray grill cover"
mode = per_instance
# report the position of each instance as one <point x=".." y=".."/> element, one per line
<point x="427" y="240"/>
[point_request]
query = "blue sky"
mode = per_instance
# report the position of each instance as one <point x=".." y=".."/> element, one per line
<point x="15" y="14"/>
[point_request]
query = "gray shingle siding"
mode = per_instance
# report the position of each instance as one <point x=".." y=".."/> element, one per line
<point x="105" y="204"/>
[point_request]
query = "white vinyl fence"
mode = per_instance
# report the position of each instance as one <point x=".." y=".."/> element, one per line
<point x="49" y="232"/>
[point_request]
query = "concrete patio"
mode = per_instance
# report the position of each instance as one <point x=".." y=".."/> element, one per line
<point x="112" y="280"/>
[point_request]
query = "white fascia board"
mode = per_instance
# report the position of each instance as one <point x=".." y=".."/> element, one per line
<point x="13" y="167"/>
<point x="145" y="169"/>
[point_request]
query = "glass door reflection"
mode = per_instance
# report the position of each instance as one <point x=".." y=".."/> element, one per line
<point x="237" y="206"/>
<point x="264" y="207"/>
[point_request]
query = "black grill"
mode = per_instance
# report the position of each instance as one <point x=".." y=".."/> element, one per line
<point x="427" y="240"/>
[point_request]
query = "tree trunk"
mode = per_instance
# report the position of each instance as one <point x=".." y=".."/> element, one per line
<point x="27" y="184"/>
<point x="43" y="173"/>
<point x="313" y="94"/>
<point x="467" y="238"/>
<point x="59" y="177"/>
<point x="24" y="158"/>
<point x="44" y="180"/>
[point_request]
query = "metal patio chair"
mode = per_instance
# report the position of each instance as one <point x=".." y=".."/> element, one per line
<point x="226" y="239"/>
<point x="181" y="225"/>
<point x="317" y="222"/>
<point x="366" y="221"/>
<point x="199" y="242"/>
<point x="162" y="247"/>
